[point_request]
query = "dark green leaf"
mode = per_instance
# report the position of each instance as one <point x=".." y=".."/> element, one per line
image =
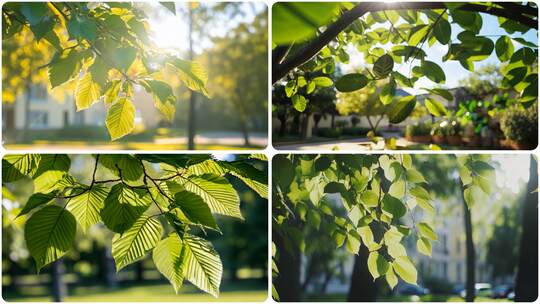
<point x="351" y="82"/>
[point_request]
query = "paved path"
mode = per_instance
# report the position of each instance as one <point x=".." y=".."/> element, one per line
<point x="362" y="143"/>
<point x="231" y="140"/>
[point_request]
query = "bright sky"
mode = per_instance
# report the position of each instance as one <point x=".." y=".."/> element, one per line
<point x="171" y="31"/>
<point x="453" y="69"/>
<point x="513" y="171"/>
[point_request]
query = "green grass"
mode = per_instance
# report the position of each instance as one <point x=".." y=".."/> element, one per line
<point x="339" y="297"/>
<point x="250" y="291"/>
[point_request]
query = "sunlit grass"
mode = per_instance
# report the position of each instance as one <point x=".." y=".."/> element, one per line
<point x="149" y="293"/>
<point x="81" y="145"/>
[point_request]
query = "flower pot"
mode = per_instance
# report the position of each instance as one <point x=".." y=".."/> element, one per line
<point x="454" y="140"/>
<point x="520" y="145"/>
<point x="423" y="139"/>
<point x="438" y="139"/>
<point x="473" y="141"/>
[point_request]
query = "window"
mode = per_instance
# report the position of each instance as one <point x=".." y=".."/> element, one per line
<point x="38" y="119"/>
<point x="38" y="93"/>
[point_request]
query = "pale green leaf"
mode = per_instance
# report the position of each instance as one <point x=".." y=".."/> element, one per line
<point x="168" y="256"/>
<point x="203" y="266"/>
<point x="405" y="269"/>
<point x="133" y="244"/>
<point x="87" y="92"/>
<point x="87" y="206"/>
<point x="120" y="119"/>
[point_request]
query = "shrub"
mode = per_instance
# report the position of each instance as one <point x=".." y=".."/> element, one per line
<point x="440" y="128"/>
<point x="341" y="123"/>
<point x="329" y="132"/>
<point x="453" y="128"/>
<point x="355" y="120"/>
<point x="418" y="129"/>
<point x="355" y="131"/>
<point x="521" y="125"/>
<point x="438" y="285"/>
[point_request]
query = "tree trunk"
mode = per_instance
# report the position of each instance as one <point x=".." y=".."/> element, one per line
<point x="470" y="253"/>
<point x="304" y="127"/>
<point x="139" y="272"/>
<point x="527" y="273"/>
<point x="27" y="109"/>
<point x="192" y="98"/>
<point x="245" y="132"/>
<point x="362" y="288"/>
<point x="59" y="288"/>
<point x="316" y="119"/>
<point x="287" y="283"/>
<point x="333" y="122"/>
<point x="282" y="125"/>
<point x="108" y="271"/>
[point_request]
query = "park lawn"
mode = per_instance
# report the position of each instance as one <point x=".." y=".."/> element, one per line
<point x="339" y="297"/>
<point x="241" y="292"/>
<point x="81" y="145"/>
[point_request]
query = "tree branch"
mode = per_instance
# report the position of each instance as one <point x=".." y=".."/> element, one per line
<point x="316" y="44"/>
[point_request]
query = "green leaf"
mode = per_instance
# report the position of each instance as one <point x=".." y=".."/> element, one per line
<point x="391" y="278"/>
<point x="393" y="206"/>
<point x="314" y="218"/>
<point x="504" y="48"/>
<point x="120" y="119"/>
<point x="170" y="6"/>
<point x="444" y="93"/>
<point x="304" y="18"/>
<point x="435" y="108"/>
<point x="291" y="88"/>
<point x="123" y="206"/>
<point x="473" y="194"/>
<point x="87" y="206"/>
<point x="388" y="91"/>
<point x="353" y="242"/>
<point x="203" y="266"/>
<point x="17" y="166"/>
<point x="369" y="198"/>
<point x="397" y="189"/>
<point x="168" y="256"/>
<point x="36" y="200"/>
<point x="426" y="231"/>
<point x="322" y="163"/>
<point x="283" y="171"/>
<point x="377" y="264"/>
<point x="420" y="193"/>
<point x="216" y="191"/>
<point x="192" y="74"/>
<point x="442" y="31"/>
<point x="414" y="176"/>
<point x="63" y="68"/>
<point x="351" y="82"/>
<point x="299" y="102"/>
<point x="132" y="244"/>
<point x="322" y="81"/>
<point x="34" y="12"/>
<point x="49" y="234"/>
<point x="195" y="209"/>
<point x="405" y="269"/>
<point x="164" y="99"/>
<point x="433" y="71"/>
<point x="339" y="238"/>
<point x="424" y="246"/>
<point x="417" y="34"/>
<point x="51" y="170"/>
<point x="87" y="92"/>
<point x="383" y="66"/>
<point x="514" y="76"/>
<point x="402" y="109"/>
<point x="123" y="57"/>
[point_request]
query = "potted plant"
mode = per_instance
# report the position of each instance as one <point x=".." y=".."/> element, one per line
<point x="454" y="132"/>
<point x="438" y="132"/>
<point x="419" y="132"/>
<point x="520" y="127"/>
